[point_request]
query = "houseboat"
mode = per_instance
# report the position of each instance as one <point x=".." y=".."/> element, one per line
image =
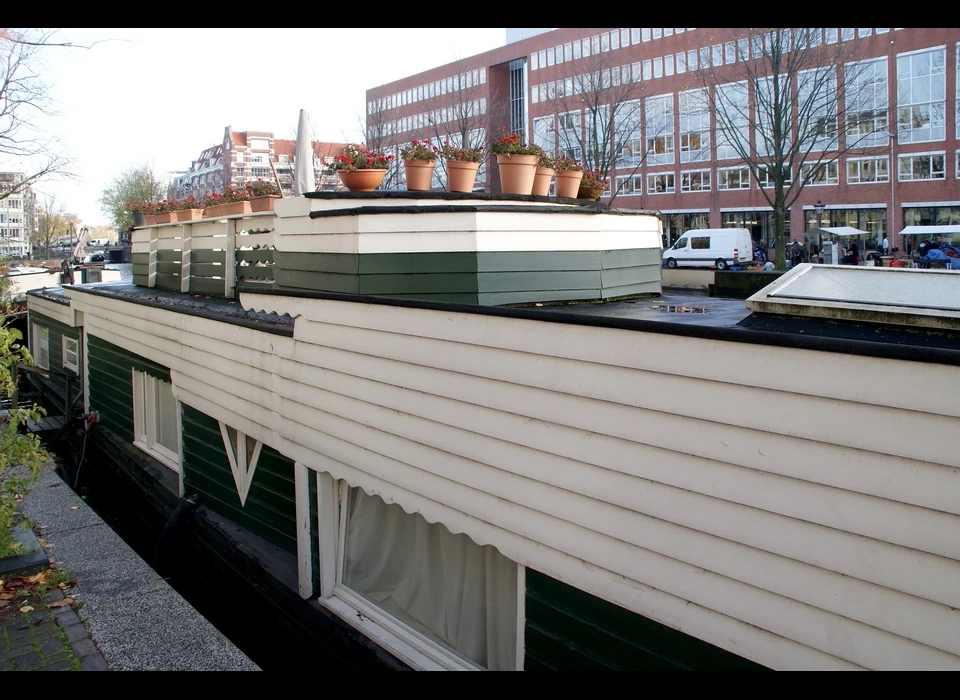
<point x="468" y="432"/>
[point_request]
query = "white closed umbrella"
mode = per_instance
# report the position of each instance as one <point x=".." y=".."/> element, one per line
<point x="303" y="177"/>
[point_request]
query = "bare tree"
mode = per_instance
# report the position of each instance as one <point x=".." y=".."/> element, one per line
<point x="464" y="114"/>
<point x="51" y="224"/>
<point x="596" y="114"/>
<point x="23" y="97"/>
<point x="138" y="183"/>
<point x="780" y="107"/>
<point x="377" y="128"/>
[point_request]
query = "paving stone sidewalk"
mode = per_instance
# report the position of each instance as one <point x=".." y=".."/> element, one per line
<point x="52" y="639"/>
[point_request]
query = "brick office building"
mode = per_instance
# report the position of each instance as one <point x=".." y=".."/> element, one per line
<point x="685" y="176"/>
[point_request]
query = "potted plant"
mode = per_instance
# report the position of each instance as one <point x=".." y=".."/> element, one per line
<point x="544" y="175"/>
<point x="262" y="194"/>
<point x="462" y="166"/>
<point x="189" y="209"/>
<point x="136" y="208"/>
<point x="166" y="211"/>
<point x="517" y="161"/>
<point x="361" y="170"/>
<point x="232" y="202"/>
<point x="592" y="185"/>
<point x="569" y="174"/>
<point x="419" y="160"/>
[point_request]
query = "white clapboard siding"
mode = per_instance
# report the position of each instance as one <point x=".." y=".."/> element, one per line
<point x="575" y="471"/>
<point x="51" y="309"/>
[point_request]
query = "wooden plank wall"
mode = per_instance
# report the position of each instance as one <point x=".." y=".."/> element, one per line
<point x="807" y="522"/>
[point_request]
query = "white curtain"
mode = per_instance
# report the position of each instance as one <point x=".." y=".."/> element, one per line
<point x="446" y="586"/>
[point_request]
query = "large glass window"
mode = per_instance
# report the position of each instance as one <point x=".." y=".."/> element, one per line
<point x="926" y="166"/>
<point x="865" y="87"/>
<point x="694" y="126"/>
<point x="733" y="178"/>
<point x="921" y="93"/>
<point x="442" y="586"/>
<point x="860" y="170"/>
<point x="761" y="225"/>
<point x="695" y="181"/>
<point x="628" y="135"/>
<point x="658" y="124"/>
<point x="820" y="173"/>
<point x="733" y="135"/>
<point x="817" y="97"/>
<point x="677" y="224"/>
<point x="662" y="183"/>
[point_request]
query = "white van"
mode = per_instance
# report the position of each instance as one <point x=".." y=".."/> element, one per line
<point x="709" y="247"/>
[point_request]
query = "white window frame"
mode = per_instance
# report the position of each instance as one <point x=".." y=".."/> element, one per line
<point x="659" y="129"/>
<point x="669" y="183"/>
<point x="857" y="179"/>
<point x="913" y="156"/>
<point x="827" y="180"/>
<point x="908" y="106"/>
<point x="723" y="182"/>
<point x="73" y="353"/>
<point x="687" y="177"/>
<point x="410" y="645"/>
<point x="145" y="417"/>
<point x="40" y="347"/>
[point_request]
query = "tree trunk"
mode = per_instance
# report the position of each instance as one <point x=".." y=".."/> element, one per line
<point x="780" y="233"/>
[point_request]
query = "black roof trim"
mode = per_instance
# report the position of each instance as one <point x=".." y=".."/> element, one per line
<point x="212" y="308"/>
<point x="740" y="334"/>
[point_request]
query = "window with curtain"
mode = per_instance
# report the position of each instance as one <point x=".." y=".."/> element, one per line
<point x="443" y="586"/>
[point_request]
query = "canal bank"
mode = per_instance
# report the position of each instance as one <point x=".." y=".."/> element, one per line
<point x="123" y="612"/>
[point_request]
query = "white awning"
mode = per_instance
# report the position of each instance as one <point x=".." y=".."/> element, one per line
<point x="929" y="230"/>
<point x="844" y="231"/>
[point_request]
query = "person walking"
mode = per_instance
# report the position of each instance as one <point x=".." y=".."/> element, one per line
<point x="885" y="245"/>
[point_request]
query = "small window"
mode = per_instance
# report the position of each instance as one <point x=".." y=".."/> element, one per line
<point x="700" y="242"/>
<point x="71" y="354"/>
<point x="41" y="346"/>
<point x="156" y="419"/>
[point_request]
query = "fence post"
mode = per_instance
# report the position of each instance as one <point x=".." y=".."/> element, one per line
<point x="186" y="246"/>
<point x="230" y="261"/>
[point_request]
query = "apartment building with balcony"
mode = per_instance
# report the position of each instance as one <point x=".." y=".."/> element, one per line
<point x="246" y="156"/>
<point x="905" y="121"/>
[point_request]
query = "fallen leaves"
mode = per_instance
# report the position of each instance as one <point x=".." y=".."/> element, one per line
<point x="61" y="603"/>
<point x="26" y="609"/>
<point x="74" y="507"/>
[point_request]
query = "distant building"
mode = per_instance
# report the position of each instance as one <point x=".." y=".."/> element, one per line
<point x="18" y="217"/>
<point x="246" y="156"/>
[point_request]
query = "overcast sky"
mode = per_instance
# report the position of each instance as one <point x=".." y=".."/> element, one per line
<point x="160" y="96"/>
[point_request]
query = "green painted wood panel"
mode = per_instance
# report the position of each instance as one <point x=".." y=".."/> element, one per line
<point x="567" y="629"/>
<point x="630" y="289"/>
<point x="320" y="282"/>
<point x="205" y="285"/>
<point x="207" y="256"/>
<point x="489" y="282"/>
<point x="538" y="261"/>
<point x="168" y="256"/>
<point x="171" y="282"/>
<point x="312" y="478"/>
<point x="111" y="383"/>
<point x="168" y="268"/>
<point x="619" y="276"/>
<point x="270" y="508"/>
<point x="140" y="259"/>
<point x="407" y="263"/>
<point x="631" y="258"/>
<point x="443" y="283"/>
<point x="337" y="263"/>
<point x="450" y="298"/>
<point x="203" y="269"/>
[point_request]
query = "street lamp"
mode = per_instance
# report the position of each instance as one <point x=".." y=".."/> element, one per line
<point x="819" y="207"/>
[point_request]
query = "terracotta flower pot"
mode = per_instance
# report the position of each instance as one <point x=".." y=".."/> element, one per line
<point x="419" y="174"/>
<point x="541" y="181"/>
<point x="517" y="173"/>
<point x="166" y="217"/>
<point x="263" y="203"/>
<point x="229" y="209"/>
<point x="189" y="214"/>
<point x="461" y="174"/>
<point x="149" y="219"/>
<point x="568" y="183"/>
<point x="589" y="191"/>
<point x="363" y="180"/>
